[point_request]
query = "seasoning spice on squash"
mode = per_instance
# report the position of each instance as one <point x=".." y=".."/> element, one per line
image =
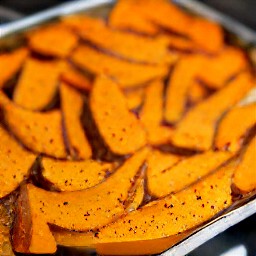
<point x="234" y="126"/>
<point x="245" y="174"/>
<point x="187" y="171"/>
<point x="38" y="83"/>
<point x="203" y="118"/>
<point x="72" y="107"/>
<point x="185" y="210"/>
<point x="126" y="73"/>
<point x="119" y="128"/>
<point x="39" y="132"/>
<point x="11" y="63"/>
<point x="15" y="163"/>
<point x="177" y="91"/>
<point x="151" y="114"/>
<point x="82" y="210"/>
<point x="54" y="40"/>
<point x="74" y="175"/>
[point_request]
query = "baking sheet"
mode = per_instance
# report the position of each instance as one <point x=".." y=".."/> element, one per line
<point x="100" y="8"/>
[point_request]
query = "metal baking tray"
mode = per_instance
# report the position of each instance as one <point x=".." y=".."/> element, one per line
<point x="247" y="37"/>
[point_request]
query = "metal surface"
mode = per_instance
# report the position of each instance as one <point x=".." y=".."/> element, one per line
<point x="225" y="221"/>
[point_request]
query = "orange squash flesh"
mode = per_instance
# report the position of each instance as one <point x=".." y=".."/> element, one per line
<point x="196" y="92"/>
<point x="134" y="21"/>
<point x="184" y="173"/>
<point x="11" y="63"/>
<point x="38" y="84"/>
<point x="76" y="79"/>
<point x="167" y="217"/>
<point x="40" y="132"/>
<point x="55" y="40"/>
<point x="177" y="91"/>
<point x="127" y="45"/>
<point x="234" y="126"/>
<point x="202" y="119"/>
<point x="151" y="114"/>
<point x="119" y="128"/>
<point x="182" y="44"/>
<point x="72" y="107"/>
<point x="14" y="165"/>
<point x="126" y="73"/>
<point x="245" y="175"/>
<point x="222" y="67"/>
<point x="135" y="97"/>
<point x="72" y="176"/>
<point x="79" y="210"/>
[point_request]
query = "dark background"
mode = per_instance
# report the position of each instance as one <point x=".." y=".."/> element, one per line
<point x="243" y="10"/>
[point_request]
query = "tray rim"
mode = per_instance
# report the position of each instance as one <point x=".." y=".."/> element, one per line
<point x="243" y="32"/>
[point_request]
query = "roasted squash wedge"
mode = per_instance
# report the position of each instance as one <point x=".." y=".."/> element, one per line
<point x="150" y="225"/>
<point x="38" y="84"/>
<point x="11" y="63"/>
<point x="74" y="175"/>
<point x="72" y="108"/>
<point x="245" y="175"/>
<point x="55" y="40"/>
<point x="15" y="163"/>
<point x="39" y="132"/>
<point x="79" y="210"/>
<point x="151" y="114"/>
<point x="234" y="126"/>
<point x="128" y="74"/>
<point x="119" y="128"/>
<point x="182" y="174"/>
<point x="203" y="118"/>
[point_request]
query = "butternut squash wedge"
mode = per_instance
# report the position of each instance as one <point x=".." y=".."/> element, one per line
<point x="119" y="128"/>
<point x="151" y="114"/>
<point x="39" y="132"/>
<point x="178" y="86"/>
<point x="55" y="40"/>
<point x="202" y="119"/>
<point x="126" y="45"/>
<point x="126" y="73"/>
<point x="79" y="210"/>
<point x="234" y="127"/>
<point x="71" y="176"/>
<point x="76" y="79"/>
<point x="15" y="163"/>
<point x="133" y="21"/>
<point x="190" y="170"/>
<point x="38" y="84"/>
<point x="135" y="97"/>
<point x="222" y="67"/>
<point x="186" y="210"/>
<point x="11" y="63"/>
<point x="245" y="175"/>
<point x="72" y="107"/>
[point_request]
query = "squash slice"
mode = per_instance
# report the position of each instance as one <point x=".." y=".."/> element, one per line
<point x="245" y="175"/>
<point x="129" y="46"/>
<point x="202" y="119"/>
<point x="196" y="92"/>
<point x="222" y="67"/>
<point x="11" y="63"/>
<point x="38" y="84"/>
<point x="234" y="127"/>
<point x="126" y="73"/>
<point x="55" y="40"/>
<point x="79" y="210"/>
<point x="177" y="90"/>
<point x="14" y="165"/>
<point x="133" y="21"/>
<point x="72" y="107"/>
<point x="39" y="132"/>
<point x="186" y="210"/>
<point x="184" y="173"/>
<point x="119" y="128"/>
<point x="151" y="114"/>
<point x="72" y="176"/>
